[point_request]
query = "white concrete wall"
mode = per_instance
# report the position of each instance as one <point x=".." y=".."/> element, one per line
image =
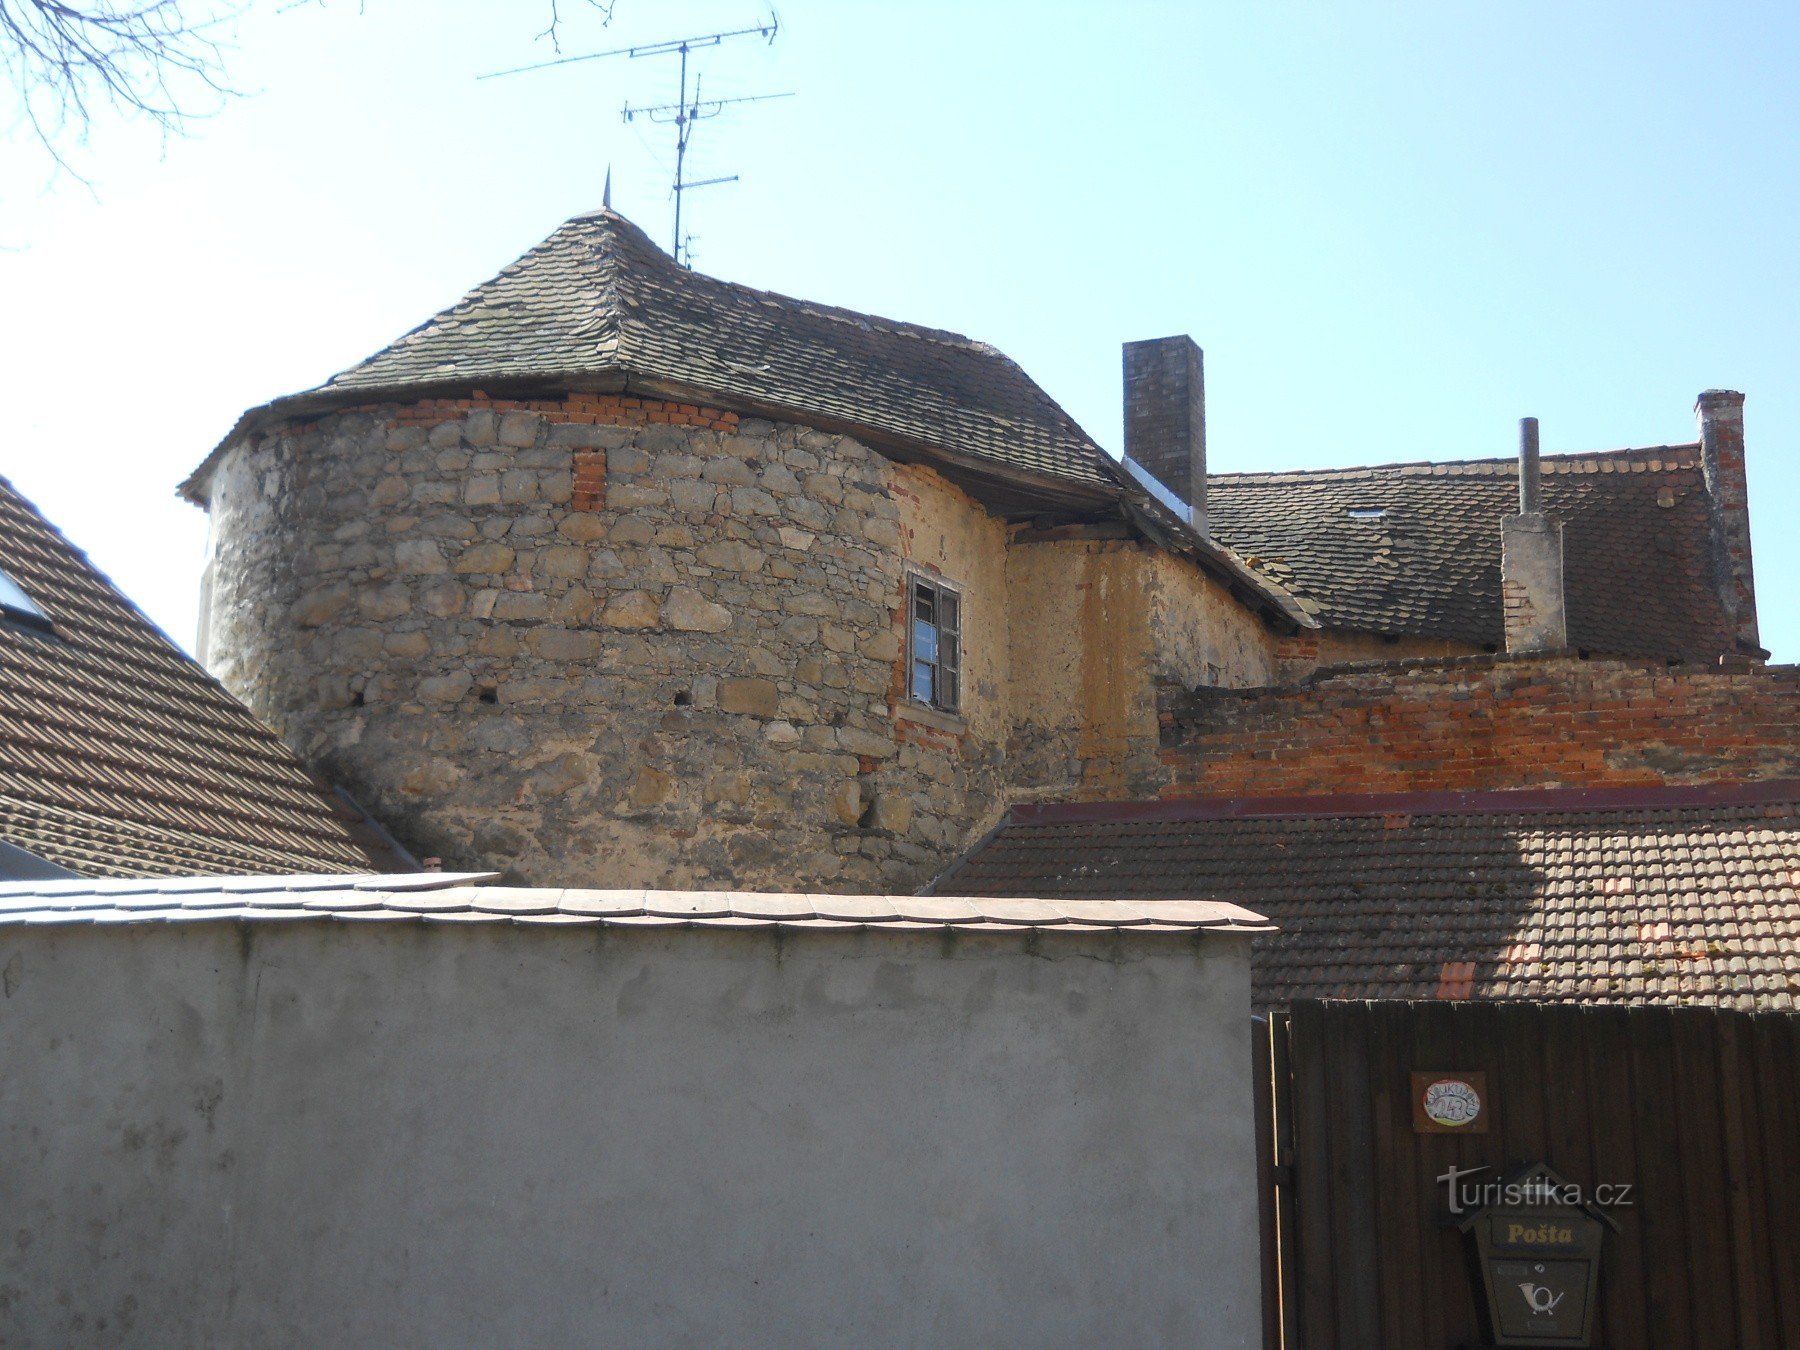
<point x="317" y="1133"/>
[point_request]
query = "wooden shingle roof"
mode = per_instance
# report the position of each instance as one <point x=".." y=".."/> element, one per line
<point x="1657" y="895"/>
<point x="121" y="756"/>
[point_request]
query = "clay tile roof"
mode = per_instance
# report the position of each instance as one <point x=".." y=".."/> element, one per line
<point x="1637" y="542"/>
<point x="597" y="298"/>
<point x="433" y="897"/>
<point x="120" y="756"/>
<point x="1650" y="896"/>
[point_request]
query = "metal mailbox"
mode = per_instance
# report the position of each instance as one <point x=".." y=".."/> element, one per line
<point x="1539" y="1260"/>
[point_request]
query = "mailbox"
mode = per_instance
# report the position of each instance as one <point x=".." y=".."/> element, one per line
<point x="1539" y="1255"/>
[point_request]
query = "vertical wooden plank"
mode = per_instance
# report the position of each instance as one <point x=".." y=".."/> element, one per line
<point x="1477" y="1044"/>
<point x="1568" y="1146"/>
<point x="1441" y="1268"/>
<point x="1612" y="1128"/>
<point x="1777" y="1038"/>
<point x="1399" y="1254"/>
<point x="1262" y="1089"/>
<point x="1352" y="1175"/>
<point x="1669" y="1308"/>
<point x="1521" y="1102"/>
<point x="1287" y="1214"/>
<point x="1743" y="1167"/>
<point x="1695" y="1108"/>
<point x="1312" y="1174"/>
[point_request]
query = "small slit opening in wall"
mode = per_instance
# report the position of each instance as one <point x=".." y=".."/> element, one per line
<point x="684" y="698"/>
<point x="488" y="694"/>
<point x="356" y="698"/>
<point x="866" y="821"/>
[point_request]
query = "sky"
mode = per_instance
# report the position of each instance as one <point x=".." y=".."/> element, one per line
<point x="1395" y="229"/>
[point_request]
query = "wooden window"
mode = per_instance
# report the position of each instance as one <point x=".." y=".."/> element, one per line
<point x="934" y="645"/>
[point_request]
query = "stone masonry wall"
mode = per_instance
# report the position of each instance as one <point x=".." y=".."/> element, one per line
<point x="1485" y="722"/>
<point x="600" y="640"/>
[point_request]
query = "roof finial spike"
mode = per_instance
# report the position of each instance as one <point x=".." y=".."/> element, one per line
<point x="606" y="192"/>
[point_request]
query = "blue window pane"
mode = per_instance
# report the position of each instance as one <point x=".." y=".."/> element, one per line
<point x="921" y="682"/>
<point x="925" y="641"/>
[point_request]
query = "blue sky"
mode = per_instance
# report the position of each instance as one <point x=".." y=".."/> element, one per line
<point x="1394" y="228"/>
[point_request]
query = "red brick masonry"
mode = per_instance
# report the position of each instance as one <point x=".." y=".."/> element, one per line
<point x="1486" y="722"/>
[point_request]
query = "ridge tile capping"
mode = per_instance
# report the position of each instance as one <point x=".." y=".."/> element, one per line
<point x="464" y="897"/>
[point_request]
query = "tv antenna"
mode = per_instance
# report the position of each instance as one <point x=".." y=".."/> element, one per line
<point x="681" y="114"/>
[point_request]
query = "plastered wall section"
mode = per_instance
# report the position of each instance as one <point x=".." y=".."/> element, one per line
<point x="1096" y="624"/>
<point x="321" y="1133"/>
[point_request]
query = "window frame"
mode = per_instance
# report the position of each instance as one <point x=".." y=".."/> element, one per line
<point x="19" y="610"/>
<point x="946" y="638"/>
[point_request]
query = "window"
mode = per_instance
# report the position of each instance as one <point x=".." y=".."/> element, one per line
<point x="935" y="645"/>
<point x="18" y="607"/>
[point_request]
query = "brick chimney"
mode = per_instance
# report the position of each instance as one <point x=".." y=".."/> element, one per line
<point x="1165" y="418"/>
<point x="1721" y="417"/>
<point x="1531" y="562"/>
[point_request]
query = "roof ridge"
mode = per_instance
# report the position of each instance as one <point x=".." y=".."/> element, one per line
<point x="1578" y="461"/>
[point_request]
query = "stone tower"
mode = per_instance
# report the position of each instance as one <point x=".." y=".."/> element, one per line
<point x="617" y="574"/>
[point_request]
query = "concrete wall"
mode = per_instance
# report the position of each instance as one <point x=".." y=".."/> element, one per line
<point x="317" y="1133"/>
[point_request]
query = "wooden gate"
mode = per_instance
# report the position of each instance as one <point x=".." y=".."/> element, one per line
<point x="1697" y="1109"/>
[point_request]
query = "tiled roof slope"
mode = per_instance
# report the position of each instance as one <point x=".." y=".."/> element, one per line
<point x="120" y="756"/>
<point x="446" y="898"/>
<point x="598" y="298"/>
<point x="1637" y="545"/>
<point x="1691" y="901"/>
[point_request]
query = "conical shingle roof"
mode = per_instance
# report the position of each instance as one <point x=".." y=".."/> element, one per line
<point x="597" y="299"/>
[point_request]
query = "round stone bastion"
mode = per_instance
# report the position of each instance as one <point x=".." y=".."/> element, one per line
<point x="595" y="640"/>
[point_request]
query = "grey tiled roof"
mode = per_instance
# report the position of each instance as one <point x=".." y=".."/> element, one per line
<point x="598" y="298"/>
<point x="461" y="898"/>
<point x="1637" y="544"/>
<point x="120" y="756"/>
<point x="1693" y="901"/>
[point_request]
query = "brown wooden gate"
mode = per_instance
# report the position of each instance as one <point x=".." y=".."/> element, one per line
<point x="1698" y="1109"/>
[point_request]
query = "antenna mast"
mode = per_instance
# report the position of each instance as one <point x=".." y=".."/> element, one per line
<point x="683" y="113"/>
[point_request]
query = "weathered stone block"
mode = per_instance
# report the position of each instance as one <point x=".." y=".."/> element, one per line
<point x="520" y="428"/>
<point x="729" y="472"/>
<point x="387" y="601"/>
<point x="491" y="558"/>
<point x="445" y="688"/>
<point x="419" y="557"/>
<point x="320" y="606"/>
<point x="564" y="561"/>
<point x="892" y="811"/>
<point x="582" y="527"/>
<point x="690" y="612"/>
<point x="408" y="646"/>
<point x="731" y="556"/>
<point x="845" y="802"/>
<point x="634" y="496"/>
<point x="513" y="606"/>
<point x="564" y="644"/>
<point x="650" y="788"/>
<point x="755" y="698"/>
<point x="632" y="609"/>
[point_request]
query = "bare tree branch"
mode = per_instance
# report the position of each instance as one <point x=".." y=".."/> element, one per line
<point x="69" y="60"/>
<point x="551" y="30"/>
